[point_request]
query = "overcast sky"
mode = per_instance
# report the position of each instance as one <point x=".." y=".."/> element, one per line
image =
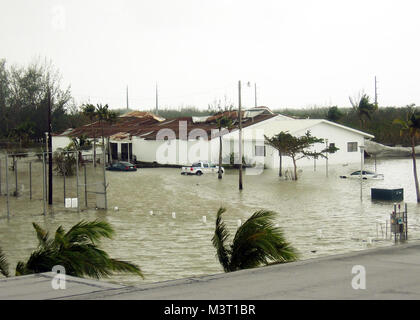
<point x="299" y="53"/>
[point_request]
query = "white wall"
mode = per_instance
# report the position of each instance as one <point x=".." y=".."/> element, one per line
<point x="334" y="135"/>
<point x="60" y="142"/>
<point x="186" y="152"/>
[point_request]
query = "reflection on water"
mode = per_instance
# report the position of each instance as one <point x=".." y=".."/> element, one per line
<point x="319" y="215"/>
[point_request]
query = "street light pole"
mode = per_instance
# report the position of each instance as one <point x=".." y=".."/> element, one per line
<point x="362" y="151"/>
<point x="240" y="137"/>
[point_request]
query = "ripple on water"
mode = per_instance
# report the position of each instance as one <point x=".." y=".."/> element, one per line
<point x="168" y="248"/>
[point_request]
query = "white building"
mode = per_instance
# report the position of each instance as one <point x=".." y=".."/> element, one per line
<point x="186" y="140"/>
<point x="346" y="139"/>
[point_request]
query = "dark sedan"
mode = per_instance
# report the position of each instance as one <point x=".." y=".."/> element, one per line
<point x="122" y="166"/>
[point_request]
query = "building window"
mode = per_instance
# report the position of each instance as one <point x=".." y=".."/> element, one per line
<point x="351" y="146"/>
<point x="260" y="151"/>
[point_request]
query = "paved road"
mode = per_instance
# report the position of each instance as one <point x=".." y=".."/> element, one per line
<point x="391" y="273"/>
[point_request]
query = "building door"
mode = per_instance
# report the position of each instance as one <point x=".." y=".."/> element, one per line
<point x="114" y="151"/>
<point x="130" y="151"/>
<point x="124" y="151"/>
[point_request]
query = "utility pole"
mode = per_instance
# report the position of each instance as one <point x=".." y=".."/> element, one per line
<point x="376" y="93"/>
<point x="157" y="101"/>
<point x="127" y="97"/>
<point x="50" y="177"/>
<point x="255" y="91"/>
<point x="240" y="137"/>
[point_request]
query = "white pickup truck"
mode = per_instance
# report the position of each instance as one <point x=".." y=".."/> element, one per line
<point x="201" y="167"/>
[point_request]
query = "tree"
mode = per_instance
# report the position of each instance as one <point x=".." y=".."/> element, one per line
<point x="89" y="110"/>
<point x="65" y="161"/>
<point x="411" y="127"/>
<point x="27" y="92"/>
<point x="296" y="147"/>
<point x="363" y="108"/>
<point x="4" y="266"/>
<point x="334" y="114"/>
<point x="77" y="251"/>
<point x="23" y="131"/>
<point x="103" y="114"/>
<point x="257" y="242"/>
<point x="227" y="123"/>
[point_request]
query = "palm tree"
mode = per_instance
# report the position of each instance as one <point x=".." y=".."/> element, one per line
<point x="363" y="108"/>
<point x="111" y="118"/>
<point x="4" y="266"/>
<point x="89" y="110"/>
<point x="105" y="115"/>
<point x="77" y="251"/>
<point x="256" y="242"/>
<point x="227" y="123"/>
<point x="101" y="113"/>
<point x="411" y="127"/>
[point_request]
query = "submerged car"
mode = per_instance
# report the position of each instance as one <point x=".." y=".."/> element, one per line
<point x="122" y="166"/>
<point x="201" y="167"/>
<point x="365" y="175"/>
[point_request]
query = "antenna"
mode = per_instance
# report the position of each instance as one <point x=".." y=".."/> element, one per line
<point x="157" y="100"/>
<point x="376" y="93"/>
<point x="127" y="97"/>
<point x="255" y="90"/>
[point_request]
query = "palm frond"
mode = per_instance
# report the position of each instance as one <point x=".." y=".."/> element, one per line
<point x="89" y="230"/>
<point x="125" y="266"/>
<point x="41" y="234"/>
<point x="400" y="122"/>
<point x="259" y="242"/>
<point x="76" y="251"/>
<point x="4" y="266"/>
<point x="219" y="239"/>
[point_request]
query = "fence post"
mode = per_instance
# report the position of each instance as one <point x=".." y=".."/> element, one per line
<point x="16" y="177"/>
<point x="406" y="221"/>
<point x="30" y="180"/>
<point x="104" y="172"/>
<point x="7" y="187"/>
<point x="77" y="180"/>
<point x="44" y="181"/>
<point x="86" y="202"/>
<point x="64" y="185"/>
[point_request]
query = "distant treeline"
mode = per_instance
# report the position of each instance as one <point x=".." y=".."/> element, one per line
<point x="24" y="103"/>
<point x="24" y="108"/>
<point x="380" y="125"/>
<point x="182" y="112"/>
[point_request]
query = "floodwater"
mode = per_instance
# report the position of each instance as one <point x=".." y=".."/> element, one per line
<point x="319" y="215"/>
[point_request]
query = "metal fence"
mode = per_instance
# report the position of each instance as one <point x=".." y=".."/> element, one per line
<point x="24" y="185"/>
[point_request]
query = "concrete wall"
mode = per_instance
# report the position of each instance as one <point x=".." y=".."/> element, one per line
<point x="181" y="152"/>
<point x="60" y="142"/>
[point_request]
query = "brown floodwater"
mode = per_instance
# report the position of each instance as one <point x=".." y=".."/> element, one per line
<point x="319" y="215"/>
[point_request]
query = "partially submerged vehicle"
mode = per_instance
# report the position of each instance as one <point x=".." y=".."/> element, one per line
<point x="365" y="175"/>
<point x="122" y="166"/>
<point x="201" y="167"/>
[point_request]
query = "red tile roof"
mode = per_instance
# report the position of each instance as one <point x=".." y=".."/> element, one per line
<point x="148" y="126"/>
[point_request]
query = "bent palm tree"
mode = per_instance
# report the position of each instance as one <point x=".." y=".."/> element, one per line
<point x="363" y="108"/>
<point x="4" y="266"/>
<point x="77" y="251"/>
<point x="256" y="242"/>
<point x="411" y="127"/>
